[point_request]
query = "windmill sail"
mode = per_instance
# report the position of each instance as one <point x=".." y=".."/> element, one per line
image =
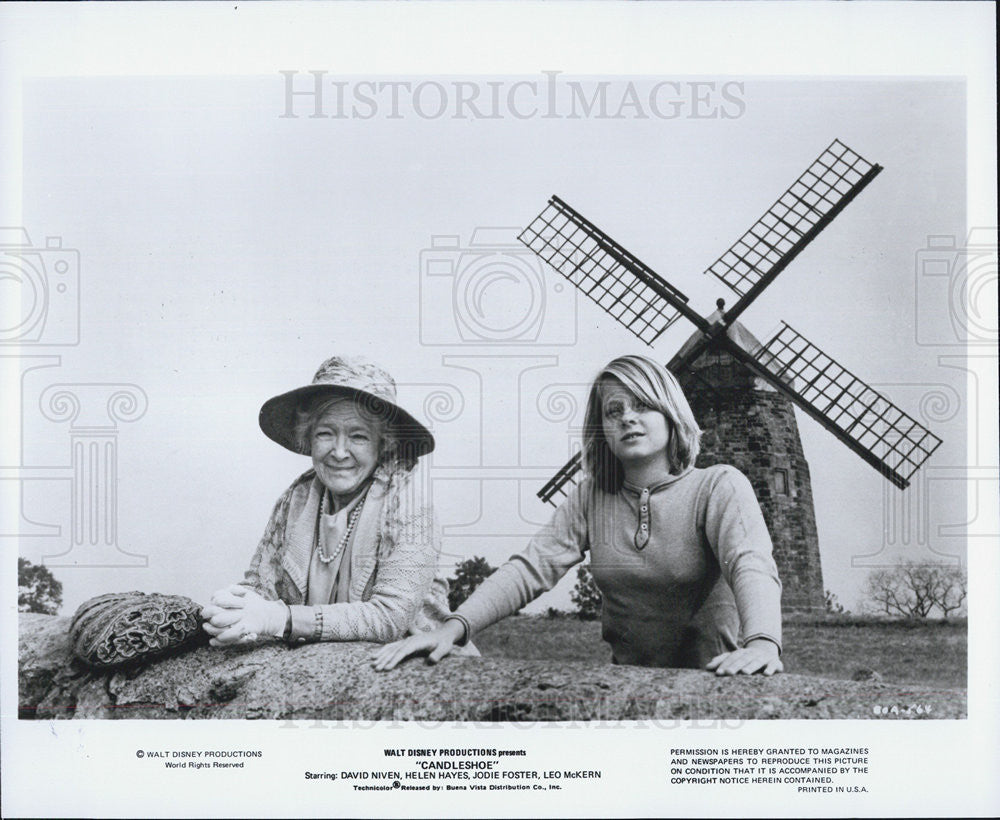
<point x="792" y="222"/>
<point x="630" y="291"/>
<point x="886" y="437"/>
<point x="556" y="489"/>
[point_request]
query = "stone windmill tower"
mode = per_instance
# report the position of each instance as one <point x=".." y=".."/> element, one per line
<point x="746" y="422"/>
<point x="742" y="391"/>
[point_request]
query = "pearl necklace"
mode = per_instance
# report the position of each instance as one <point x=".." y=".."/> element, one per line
<point x="351" y="521"/>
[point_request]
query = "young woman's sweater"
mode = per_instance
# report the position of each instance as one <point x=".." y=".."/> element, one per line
<point x="684" y="567"/>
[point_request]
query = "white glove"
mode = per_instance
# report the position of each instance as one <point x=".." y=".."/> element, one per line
<point x="238" y="614"/>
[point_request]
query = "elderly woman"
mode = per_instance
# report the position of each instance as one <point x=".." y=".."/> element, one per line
<point x="350" y="552"/>
<point x="681" y="555"/>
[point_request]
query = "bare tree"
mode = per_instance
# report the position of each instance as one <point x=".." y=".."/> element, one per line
<point x="912" y="590"/>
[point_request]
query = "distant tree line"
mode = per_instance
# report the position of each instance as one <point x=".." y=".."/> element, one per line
<point x="471" y="572"/>
<point x="905" y="590"/>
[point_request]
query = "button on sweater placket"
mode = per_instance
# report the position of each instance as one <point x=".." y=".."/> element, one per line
<point x="642" y="532"/>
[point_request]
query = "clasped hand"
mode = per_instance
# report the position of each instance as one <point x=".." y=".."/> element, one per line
<point x="238" y="614"/>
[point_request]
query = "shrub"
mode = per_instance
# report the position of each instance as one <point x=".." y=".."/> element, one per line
<point x="469" y="574"/>
<point x="586" y="595"/>
<point x="833" y="606"/>
<point x="37" y="589"/>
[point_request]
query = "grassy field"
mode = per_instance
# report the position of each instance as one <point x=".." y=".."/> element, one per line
<point x="931" y="654"/>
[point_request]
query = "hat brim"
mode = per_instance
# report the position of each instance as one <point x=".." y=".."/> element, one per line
<point x="278" y="416"/>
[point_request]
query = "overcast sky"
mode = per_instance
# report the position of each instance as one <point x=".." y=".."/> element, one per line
<point x="226" y="250"/>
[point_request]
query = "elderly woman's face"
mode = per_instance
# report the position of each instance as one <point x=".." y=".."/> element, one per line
<point x="344" y="448"/>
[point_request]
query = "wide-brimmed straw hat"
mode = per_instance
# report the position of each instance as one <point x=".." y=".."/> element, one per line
<point x="353" y="377"/>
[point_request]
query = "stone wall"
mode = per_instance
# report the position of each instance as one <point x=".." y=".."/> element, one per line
<point x="336" y="682"/>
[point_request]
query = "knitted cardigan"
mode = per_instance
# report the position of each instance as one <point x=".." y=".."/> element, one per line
<point x="395" y="588"/>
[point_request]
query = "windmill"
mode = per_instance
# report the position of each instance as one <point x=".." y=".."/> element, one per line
<point x="787" y="369"/>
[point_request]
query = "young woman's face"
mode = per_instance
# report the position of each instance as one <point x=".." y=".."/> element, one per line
<point x="635" y="432"/>
<point x="344" y="448"/>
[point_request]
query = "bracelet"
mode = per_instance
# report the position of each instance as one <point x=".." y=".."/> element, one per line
<point x="317" y="633"/>
<point x="287" y="634"/>
<point x="465" y="625"/>
<point x="759" y="637"/>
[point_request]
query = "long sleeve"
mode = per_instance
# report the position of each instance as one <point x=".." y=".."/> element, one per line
<point x="548" y="557"/>
<point x="403" y="580"/>
<point x="265" y="566"/>
<point x="735" y="529"/>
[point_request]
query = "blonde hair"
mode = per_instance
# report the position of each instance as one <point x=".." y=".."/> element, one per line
<point x="654" y="385"/>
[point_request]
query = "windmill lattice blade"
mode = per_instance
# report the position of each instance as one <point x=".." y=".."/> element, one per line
<point x="557" y="484"/>
<point x="612" y="277"/>
<point x="896" y="444"/>
<point x="800" y="213"/>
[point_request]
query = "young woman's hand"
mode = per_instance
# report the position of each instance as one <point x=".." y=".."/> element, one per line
<point x="759" y="655"/>
<point x="238" y="614"/>
<point x="437" y="643"/>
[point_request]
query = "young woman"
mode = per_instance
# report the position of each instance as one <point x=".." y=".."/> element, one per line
<point x="350" y="552"/>
<point x="681" y="555"/>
